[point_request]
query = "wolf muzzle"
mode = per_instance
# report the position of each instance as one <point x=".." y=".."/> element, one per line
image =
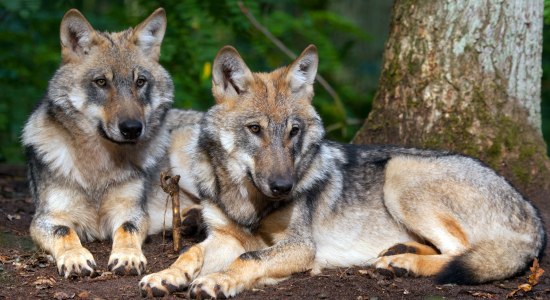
<point x="130" y="129"/>
<point x="281" y="186"/>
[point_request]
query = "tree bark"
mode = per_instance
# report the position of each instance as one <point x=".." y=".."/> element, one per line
<point x="465" y="76"/>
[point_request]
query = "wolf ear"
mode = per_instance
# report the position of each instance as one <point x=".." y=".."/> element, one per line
<point x="230" y="75"/>
<point x="77" y="36"/>
<point x="302" y="72"/>
<point x="148" y="34"/>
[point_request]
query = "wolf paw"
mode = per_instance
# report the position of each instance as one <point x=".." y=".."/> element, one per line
<point x="215" y="285"/>
<point x="192" y="223"/>
<point x="398" y="249"/>
<point x="127" y="261"/>
<point x="76" y="262"/>
<point x="164" y="282"/>
<point x="396" y="265"/>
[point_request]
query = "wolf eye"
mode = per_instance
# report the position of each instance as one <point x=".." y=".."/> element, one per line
<point x="141" y="81"/>
<point x="254" y="128"/>
<point x="101" y="81"/>
<point x="294" y="131"/>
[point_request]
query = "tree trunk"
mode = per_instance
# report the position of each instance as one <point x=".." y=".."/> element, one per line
<point x="465" y="76"/>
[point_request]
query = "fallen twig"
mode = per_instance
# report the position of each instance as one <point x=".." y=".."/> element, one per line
<point x="169" y="185"/>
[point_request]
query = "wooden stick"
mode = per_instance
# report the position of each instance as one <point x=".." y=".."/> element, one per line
<point x="170" y="186"/>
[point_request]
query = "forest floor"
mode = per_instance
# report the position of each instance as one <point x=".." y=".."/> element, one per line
<point x="27" y="273"/>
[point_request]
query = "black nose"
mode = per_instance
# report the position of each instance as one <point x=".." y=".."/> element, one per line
<point x="281" y="186"/>
<point x="130" y="129"/>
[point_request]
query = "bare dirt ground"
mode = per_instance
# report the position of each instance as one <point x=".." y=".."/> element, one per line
<point x="27" y="273"/>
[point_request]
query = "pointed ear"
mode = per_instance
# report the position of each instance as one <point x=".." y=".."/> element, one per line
<point x="230" y="75"/>
<point x="302" y="72"/>
<point x="77" y="36"/>
<point x="148" y="34"/>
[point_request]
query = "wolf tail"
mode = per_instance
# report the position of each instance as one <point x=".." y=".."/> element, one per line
<point x="493" y="260"/>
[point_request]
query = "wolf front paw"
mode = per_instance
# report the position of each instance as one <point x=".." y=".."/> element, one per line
<point x="215" y="285"/>
<point x="76" y="262"/>
<point x="164" y="282"/>
<point x="127" y="261"/>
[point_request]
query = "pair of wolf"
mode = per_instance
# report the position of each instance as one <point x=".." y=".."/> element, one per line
<point x="275" y="196"/>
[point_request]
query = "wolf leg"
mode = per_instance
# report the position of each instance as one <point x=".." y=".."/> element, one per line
<point x="266" y="266"/>
<point x="63" y="243"/>
<point x="122" y="216"/>
<point x="413" y="264"/>
<point x="442" y="230"/>
<point x="421" y="260"/>
<point x="431" y="206"/>
<point x="409" y="247"/>
<point x="211" y="255"/>
<point x="126" y="255"/>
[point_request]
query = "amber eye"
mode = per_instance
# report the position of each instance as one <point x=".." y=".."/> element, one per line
<point x="101" y="81"/>
<point x="254" y="128"/>
<point x="294" y="131"/>
<point x="140" y="81"/>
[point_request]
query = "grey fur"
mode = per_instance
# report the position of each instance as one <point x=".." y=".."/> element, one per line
<point x="84" y="174"/>
<point x="348" y="203"/>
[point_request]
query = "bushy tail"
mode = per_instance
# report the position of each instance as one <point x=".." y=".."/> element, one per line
<point x="492" y="260"/>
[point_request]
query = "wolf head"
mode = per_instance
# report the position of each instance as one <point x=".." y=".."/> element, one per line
<point x="264" y="124"/>
<point x="112" y="82"/>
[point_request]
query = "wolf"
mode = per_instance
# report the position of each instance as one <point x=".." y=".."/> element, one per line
<point x="96" y="142"/>
<point x="278" y="198"/>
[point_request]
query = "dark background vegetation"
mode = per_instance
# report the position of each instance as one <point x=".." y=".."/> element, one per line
<point x="349" y="34"/>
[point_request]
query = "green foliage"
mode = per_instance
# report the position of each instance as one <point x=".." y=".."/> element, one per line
<point x="197" y="29"/>
<point x="26" y="64"/>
